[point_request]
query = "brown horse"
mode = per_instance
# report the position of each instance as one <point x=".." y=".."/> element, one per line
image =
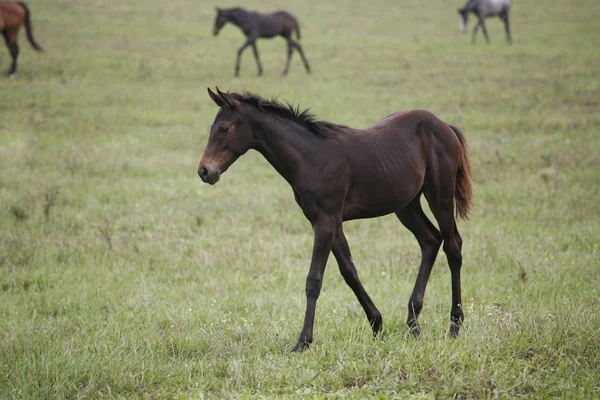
<point x="12" y="16"/>
<point x="338" y="174"/>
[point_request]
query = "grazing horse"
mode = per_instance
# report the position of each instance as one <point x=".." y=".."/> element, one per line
<point x="12" y="16"/>
<point x="256" y="25"/>
<point x="338" y="174"/>
<point x="483" y="9"/>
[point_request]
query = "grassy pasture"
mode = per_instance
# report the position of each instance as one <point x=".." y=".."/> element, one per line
<point x="121" y="275"/>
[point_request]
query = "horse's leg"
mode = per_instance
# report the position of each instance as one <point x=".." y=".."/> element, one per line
<point x="440" y="196"/>
<point x="297" y="46"/>
<point x="341" y="251"/>
<point x="255" y="50"/>
<point x="475" y="29"/>
<point x="487" y="39"/>
<point x="289" y="57"/>
<point x="239" y="54"/>
<point x="430" y="240"/>
<point x="10" y="38"/>
<point x="324" y="231"/>
<point x="504" y="17"/>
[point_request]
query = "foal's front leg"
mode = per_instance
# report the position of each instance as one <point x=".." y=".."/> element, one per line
<point x="485" y="34"/>
<point x="249" y="42"/>
<point x="324" y="231"/>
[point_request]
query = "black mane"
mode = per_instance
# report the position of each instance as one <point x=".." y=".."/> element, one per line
<point x="234" y="9"/>
<point x="291" y="112"/>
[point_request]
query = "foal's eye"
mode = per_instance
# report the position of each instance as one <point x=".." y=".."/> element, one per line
<point x="224" y="128"/>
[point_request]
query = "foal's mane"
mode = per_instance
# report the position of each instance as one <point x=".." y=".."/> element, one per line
<point x="289" y="111"/>
<point x="233" y="9"/>
<point x="469" y="4"/>
<point x="235" y="12"/>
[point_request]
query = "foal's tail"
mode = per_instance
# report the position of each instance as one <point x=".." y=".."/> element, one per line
<point x="464" y="189"/>
<point x="297" y="29"/>
<point x="28" y="29"/>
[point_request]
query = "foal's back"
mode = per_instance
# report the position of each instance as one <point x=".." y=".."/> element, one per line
<point x="400" y="127"/>
<point x="389" y="161"/>
<point x="403" y="141"/>
<point x="275" y="23"/>
<point x="492" y="7"/>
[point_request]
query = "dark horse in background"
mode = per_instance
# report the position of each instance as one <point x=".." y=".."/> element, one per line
<point x="256" y="25"/>
<point x="338" y="174"/>
<point x="12" y="16"/>
<point x="484" y="9"/>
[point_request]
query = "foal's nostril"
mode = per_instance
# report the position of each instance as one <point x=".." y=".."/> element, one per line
<point x="203" y="172"/>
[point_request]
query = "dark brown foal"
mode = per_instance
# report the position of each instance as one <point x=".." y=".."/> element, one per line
<point x="12" y="16"/>
<point x="257" y="25"/>
<point x="339" y="174"/>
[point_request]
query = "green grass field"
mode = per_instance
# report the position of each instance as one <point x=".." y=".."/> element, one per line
<point x="123" y="276"/>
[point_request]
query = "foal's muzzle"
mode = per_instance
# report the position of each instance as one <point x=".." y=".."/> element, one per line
<point x="209" y="174"/>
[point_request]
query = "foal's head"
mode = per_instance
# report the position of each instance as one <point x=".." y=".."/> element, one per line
<point x="464" y="18"/>
<point x="229" y="138"/>
<point x="220" y="20"/>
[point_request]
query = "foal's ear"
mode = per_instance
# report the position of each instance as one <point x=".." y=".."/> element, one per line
<point x="218" y="10"/>
<point x="229" y="100"/>
<point x="216" y="98"/>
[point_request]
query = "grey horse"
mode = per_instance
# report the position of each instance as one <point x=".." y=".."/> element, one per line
<point x="483" y="9"/>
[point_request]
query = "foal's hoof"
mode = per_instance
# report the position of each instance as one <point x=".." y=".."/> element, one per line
<point x="300" y="347"/>
<point x="454" y="330"/>
<point x="415" y="329"/>
<point x="376" y="325"/>
<point x="11" y="77"/>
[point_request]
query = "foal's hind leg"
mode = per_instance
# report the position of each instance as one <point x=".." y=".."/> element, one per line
<point x="430" y="240"/>
<point x="440" y="197"/>
<point x="475" y="29"/>
<point x="341" y="251"/>
<point x="504" y="17"/>
<point x="485" y="34"/>
<point x="297" y="46"/>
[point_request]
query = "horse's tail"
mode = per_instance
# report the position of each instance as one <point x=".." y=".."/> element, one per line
<point x="297" y="29"/>
<point x="464" y="187"/>
<point x="28" y="29"/>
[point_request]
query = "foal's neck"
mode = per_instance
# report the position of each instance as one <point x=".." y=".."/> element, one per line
<point x="471" y="5"/>
<point x="287" y="145"/>
<point x="236" y="16"/>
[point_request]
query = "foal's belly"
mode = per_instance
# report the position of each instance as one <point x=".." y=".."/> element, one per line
<point x="352" y="211"/>
<point x="383" y="183"/>
<point x="381" y="197"/>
